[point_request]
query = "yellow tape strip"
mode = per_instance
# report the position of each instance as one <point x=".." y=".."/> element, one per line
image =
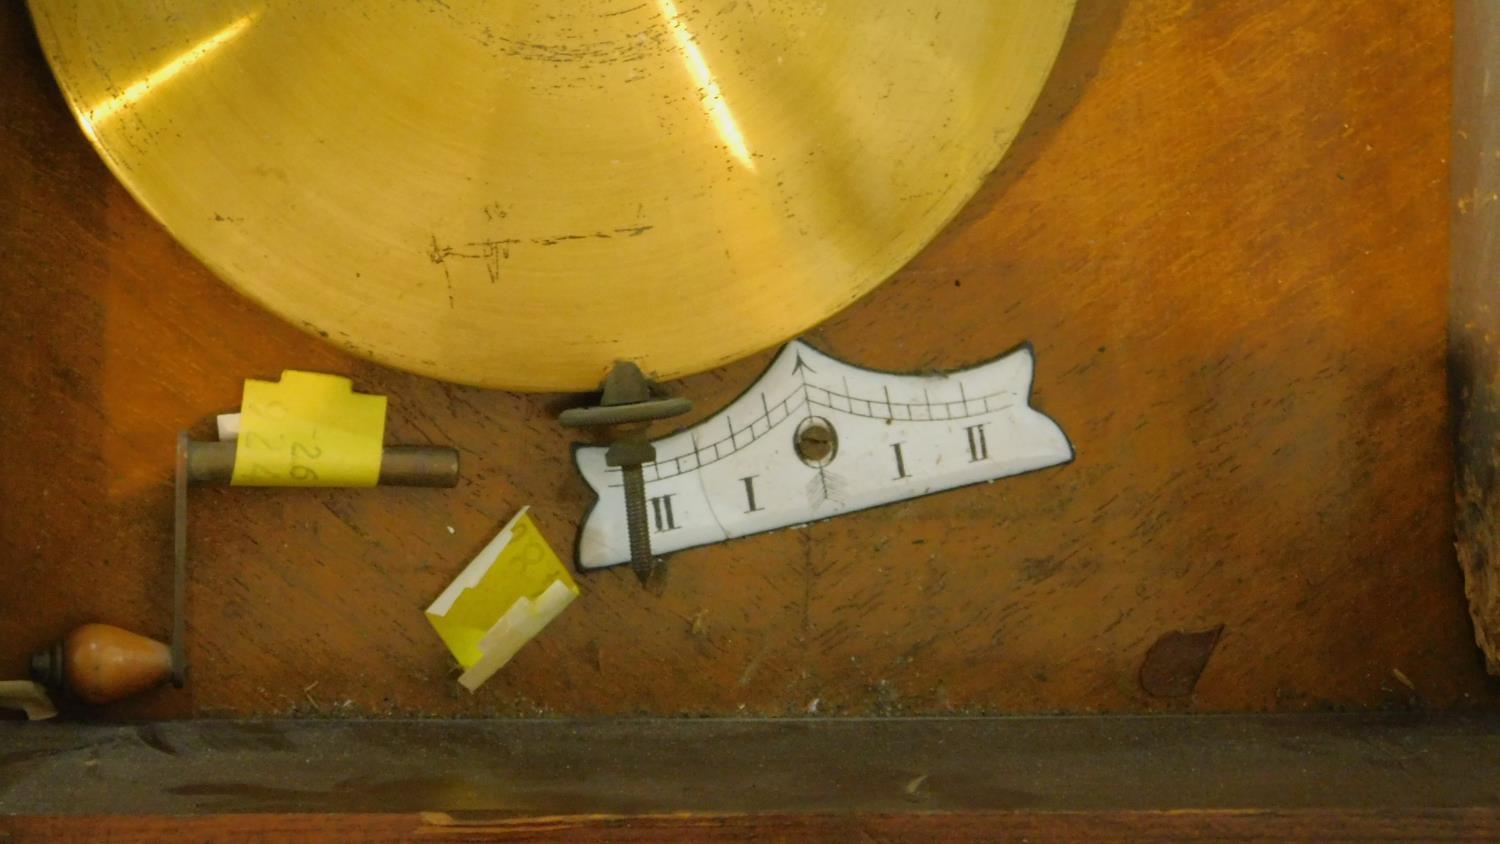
<point x="504" y="597"/>
<point x="308" y="429"/>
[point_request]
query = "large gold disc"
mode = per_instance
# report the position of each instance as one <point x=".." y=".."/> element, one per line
<point x="518" y="194"/>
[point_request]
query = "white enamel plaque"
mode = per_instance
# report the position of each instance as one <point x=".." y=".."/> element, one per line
<point x="815" y="437"/>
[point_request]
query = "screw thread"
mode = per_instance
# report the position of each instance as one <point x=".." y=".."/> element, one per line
<point x="635" y="515"/>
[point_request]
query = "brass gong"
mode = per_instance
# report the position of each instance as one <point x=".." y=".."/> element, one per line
<point x="518" y="194"/>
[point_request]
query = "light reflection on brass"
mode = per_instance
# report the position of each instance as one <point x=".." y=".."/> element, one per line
<point x="96" y="114"/>
<point x="518" y="194"/>
<point x="712" y="98"/>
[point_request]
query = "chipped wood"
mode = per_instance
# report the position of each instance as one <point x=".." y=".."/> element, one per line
<point x="1474" y="325"/>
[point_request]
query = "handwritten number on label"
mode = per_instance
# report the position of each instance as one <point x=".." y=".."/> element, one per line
<point x="273" y="410"/>
<point x="259" y="441"/>
<point x="261" y="470"/>
<point x="299" y="451"/>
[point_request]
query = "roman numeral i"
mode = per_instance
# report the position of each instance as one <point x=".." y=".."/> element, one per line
<point x="750" y="505"/>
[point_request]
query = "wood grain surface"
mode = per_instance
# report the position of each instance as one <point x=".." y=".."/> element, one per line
<point x="1476" y="825"/>
<point x="1332" y="776"/>
<point x="544" y="767"/>
<point x="1225" y="232"/>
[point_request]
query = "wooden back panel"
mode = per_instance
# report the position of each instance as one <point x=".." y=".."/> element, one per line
<point x="1224" y="231"/>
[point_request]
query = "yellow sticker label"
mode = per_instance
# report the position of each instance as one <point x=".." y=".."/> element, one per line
<point x="308" y="429"/>
<point x="474" y="615"/>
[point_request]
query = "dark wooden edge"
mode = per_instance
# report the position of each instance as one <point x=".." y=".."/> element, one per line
<point x="1474" y="312"/>
<point x="1357" y="762"/>
<point x="1315" y="825"/>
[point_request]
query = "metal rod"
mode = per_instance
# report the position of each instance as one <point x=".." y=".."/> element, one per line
<point x="400" y="465"/>
<point x="179" y="561"/>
